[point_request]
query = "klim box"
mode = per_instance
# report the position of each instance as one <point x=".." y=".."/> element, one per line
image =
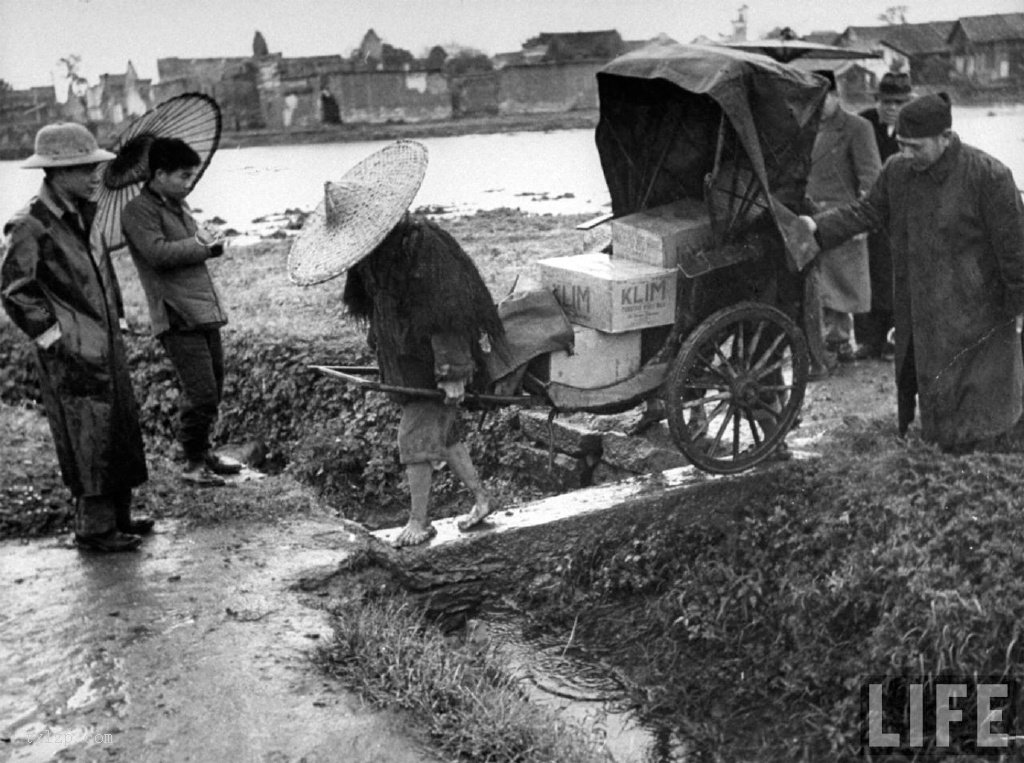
<point x="599" y="359"/>
<point x="609" y="294"/>
<point x="664" y="236"/>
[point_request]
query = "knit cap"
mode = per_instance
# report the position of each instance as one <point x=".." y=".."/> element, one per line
<point x="925" y="117"/>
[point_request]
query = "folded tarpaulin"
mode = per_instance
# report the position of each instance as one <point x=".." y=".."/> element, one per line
<point x="535" y="324"/>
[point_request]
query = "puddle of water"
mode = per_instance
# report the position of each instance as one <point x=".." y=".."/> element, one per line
<point x="567" y="681"/>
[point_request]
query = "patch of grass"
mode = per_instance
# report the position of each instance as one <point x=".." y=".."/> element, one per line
<point x="883" y="557"/>
<point x="266" y="499"/>
<point x="455" y="694"/>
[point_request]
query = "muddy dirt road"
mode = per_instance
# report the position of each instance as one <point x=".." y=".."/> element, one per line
<point x="194" y="649"/>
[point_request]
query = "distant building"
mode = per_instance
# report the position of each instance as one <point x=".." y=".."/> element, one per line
<point x="118" y="97"/>
<point x="235" y="83"/>
<point x="989" y="49"/>
<point x="739" y="25"/>
<point x="22" y="112"/>
<point x="822" y="37"/>
<point x="560" y="47"/>
<point x="925" y="49"/>
<point x="871" y="39"/>
<point x="370" y="51"/>
<point x="661" y="39"/>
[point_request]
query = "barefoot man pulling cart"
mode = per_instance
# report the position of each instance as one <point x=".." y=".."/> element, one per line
<point x="431" y="318"/>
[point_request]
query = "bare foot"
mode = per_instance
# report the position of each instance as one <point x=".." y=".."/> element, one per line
<point x="476" y="516"/>
<point x="413" y="534"/>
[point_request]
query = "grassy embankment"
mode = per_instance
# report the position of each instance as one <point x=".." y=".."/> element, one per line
<point x="883" y="558"/>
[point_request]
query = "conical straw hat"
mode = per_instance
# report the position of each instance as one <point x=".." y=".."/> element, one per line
<point x="357" y="212"/>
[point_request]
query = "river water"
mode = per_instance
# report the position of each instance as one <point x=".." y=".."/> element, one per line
<point x="555" y="172"/>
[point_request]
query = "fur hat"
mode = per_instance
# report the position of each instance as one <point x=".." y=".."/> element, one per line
<point x="894" y="86"/>
<point x="925" y="117"/>
<point x="357" y="212"/>
<point x="65" y="144"/>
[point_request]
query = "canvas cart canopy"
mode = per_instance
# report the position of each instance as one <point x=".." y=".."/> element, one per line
<point x="731" y="128"/>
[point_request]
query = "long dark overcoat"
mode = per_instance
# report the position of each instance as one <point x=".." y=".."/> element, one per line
<point x="879" y="256"/>
<point x="844" y="165"/>
<point x="957" y="237"/>
<point x="50" y="276"/>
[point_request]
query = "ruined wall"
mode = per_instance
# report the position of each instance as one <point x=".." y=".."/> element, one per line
<point x="22" y="113"/>
<point x="377" y="97"/>
<point x="475" y="94"/>
<point x="548" y="87"/>
<point x="233" y="82"/>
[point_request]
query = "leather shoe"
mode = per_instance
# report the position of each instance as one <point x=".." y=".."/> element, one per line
<point x="108" y="542"/>
<point x="220" y="465"/>
<point x="199" y="474"/>
<point x="138" y="526"/>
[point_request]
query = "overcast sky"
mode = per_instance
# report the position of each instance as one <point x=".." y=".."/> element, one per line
<point x="36" y="34"/>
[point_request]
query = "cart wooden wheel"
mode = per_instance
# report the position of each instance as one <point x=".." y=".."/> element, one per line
<point x="736" y="387"/>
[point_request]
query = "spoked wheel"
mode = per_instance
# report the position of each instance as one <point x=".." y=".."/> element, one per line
<point x="736" y="387"/>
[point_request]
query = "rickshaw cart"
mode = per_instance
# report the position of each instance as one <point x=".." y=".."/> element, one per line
<point x="733" y="131"/>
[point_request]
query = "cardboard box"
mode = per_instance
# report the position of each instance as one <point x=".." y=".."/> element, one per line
<point x="600" y="359"/>
<point x="609" y="294"/>
<point x="663" y="236"/>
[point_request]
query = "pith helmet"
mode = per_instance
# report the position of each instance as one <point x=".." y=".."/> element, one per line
<point x="65" y="144"/>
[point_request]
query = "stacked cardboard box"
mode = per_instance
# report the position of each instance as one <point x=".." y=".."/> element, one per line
<point x="612" y="299"/>
<point x="665" y="236"/>
<point x="611" y="295"/>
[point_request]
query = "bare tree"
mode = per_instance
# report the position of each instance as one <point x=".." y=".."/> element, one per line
<point x="894" y="14"/>
<point x="71" y="63"/>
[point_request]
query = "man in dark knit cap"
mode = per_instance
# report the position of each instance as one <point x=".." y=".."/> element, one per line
<point x="956" y="228"/>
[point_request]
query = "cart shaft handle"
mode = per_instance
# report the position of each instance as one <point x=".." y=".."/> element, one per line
<point x="433" y="394"/>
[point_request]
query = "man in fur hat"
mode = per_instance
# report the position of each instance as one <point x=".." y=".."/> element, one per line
<point x="956" y="227"/>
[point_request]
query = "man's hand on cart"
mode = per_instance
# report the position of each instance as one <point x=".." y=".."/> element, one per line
<point x="808" y="244"/>
<point x="454" y="391"/>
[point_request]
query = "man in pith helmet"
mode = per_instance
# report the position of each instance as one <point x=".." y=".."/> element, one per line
<point x="59" y="287"/>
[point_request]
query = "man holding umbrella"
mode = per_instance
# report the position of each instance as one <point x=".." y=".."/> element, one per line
<point x="59" y="287"/>
<point x="170" y="252"/>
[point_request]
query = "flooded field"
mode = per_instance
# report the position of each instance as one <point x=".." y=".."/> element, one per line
<point x="557" y="172"/>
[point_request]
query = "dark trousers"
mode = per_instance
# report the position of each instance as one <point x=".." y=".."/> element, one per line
<point x="99" y="514"/>
<point x="872" y="329"/>
<point x="198" y="359"/>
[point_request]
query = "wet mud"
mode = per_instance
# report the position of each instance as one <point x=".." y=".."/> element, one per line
<point x="193" y="649"/>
